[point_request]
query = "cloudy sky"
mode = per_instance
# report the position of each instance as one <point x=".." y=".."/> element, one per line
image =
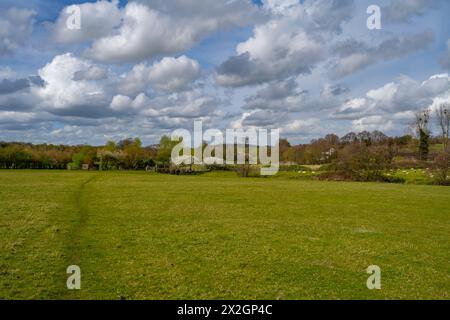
<point x="146" y="67"/>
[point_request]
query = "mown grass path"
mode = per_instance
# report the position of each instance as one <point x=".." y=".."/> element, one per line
<point x="74" y="249"/>
<point x="82" y="208"/>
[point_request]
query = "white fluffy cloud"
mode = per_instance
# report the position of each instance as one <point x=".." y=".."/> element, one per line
<point x="7" y="117"/>
<point x="124" y="104"/>
<point x="272" y="53"/>
<point x="16" y="26"/>
<point x="70" y="87"/>
<point x="151" y="29"/>
<point x="281" y="96"/>
<point x="372" y="123"/>
<point x="144" y="33"/>
<point x="395" y="100"/>
<point x="67" y="94"/>
<point x="129" y="72"/>
<point x="98" y="19"/>
<point x="355" y="55"/>
<point x="389" y="108"/>
<point x="292" y="42"/>
<point x="167" y="75"/>
<point x="174" y="74"/>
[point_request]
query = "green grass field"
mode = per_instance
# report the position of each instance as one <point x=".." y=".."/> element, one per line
<point x="146" y="236"/>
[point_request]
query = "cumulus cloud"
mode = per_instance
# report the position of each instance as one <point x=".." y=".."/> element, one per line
<point x="16" y="93"/>
<point x="404" y="10"/>
<point x="372" y="123"/>
<point x="126" y="105"/>
<point x="8" y="117"/>
<point x="23" y="121"/>
<point x="386" y="108"/>
<point x="218" y="14"/>
<point x="287" y="96"/>
<point x="16" y="25"/>
<point x="167" y="75"/>
<point x="97" y="19"/>
<point x="292" y="42"/>
<point x="354" y="55"/>
<point x="66" y="93"/>
<point x="92" y="73"/>
<point x="81" y="93"/>
<point x="308" y="127"/>
<point x="186" y="105"/>
<point x="174" y="74"/>
<point x="130" y="74"/>
<point x="18" y="101"/>
<point x="271" y="54"/>
<point x="401" y="97"/>
<point x="259" y="118"/>
<point x="151" y="29"/>
<point x="276" y="96"/>
<point x="7" y="73"/>
<point x="10" y="86"/>
<point x="265" y="118"/>
<point x="144" y="33"/>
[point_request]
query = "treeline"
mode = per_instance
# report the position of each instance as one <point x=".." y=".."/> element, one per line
<point x="324" y="150"/>
<point x="127" y="154"/>
<point x="357" y="156"/>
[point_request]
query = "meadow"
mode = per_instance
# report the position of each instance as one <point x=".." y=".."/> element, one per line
<point x="137" y="235"/>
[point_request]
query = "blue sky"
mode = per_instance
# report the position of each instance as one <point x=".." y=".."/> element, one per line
<point x="147" y="67"/>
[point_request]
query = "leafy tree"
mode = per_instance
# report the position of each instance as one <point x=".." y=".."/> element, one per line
<point x="166" y="145"/>
<point x="422" y="127"/>
<point x="443" y="116"/>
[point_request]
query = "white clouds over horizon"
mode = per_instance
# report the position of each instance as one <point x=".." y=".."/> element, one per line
<point x="139" y="67"/>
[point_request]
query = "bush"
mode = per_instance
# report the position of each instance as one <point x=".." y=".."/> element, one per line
<point x="359" y="162"/>
<point x="295" y="167"/>
<point x="247" y="170"/>
<point x="441" y="168"/>
<point x="401" y="163"/>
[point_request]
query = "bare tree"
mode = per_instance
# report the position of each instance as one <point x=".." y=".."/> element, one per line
<point x="422" y="124"/>
<point x="443" y="117"/>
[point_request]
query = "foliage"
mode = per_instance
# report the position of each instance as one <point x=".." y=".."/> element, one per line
<point x="443" y="117"/>
<point x="423" y="130"/>
<point x="360" y="162"/>
<point x="441" y="168"/>
<point x="247" y="170"/>
<point x="164" y="153"/>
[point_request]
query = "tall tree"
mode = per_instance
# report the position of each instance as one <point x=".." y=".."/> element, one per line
<point x="164" y="153"/>
<point x="443" y="116"/>
<point x="422" y="123"/>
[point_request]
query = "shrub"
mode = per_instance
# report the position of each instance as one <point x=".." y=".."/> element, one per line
<point x="295" y="167"/>
<point x="359" y="162"/>
<point x="404" y="163"/>
<point x="247" y="170"/>
<point x="441" y="168"/>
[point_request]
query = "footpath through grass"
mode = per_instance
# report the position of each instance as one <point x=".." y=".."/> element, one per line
<point x="144" y="236"/>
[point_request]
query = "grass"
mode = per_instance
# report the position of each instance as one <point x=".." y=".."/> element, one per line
<point x="412" y="176"/>
<point x="216" y="236"/>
